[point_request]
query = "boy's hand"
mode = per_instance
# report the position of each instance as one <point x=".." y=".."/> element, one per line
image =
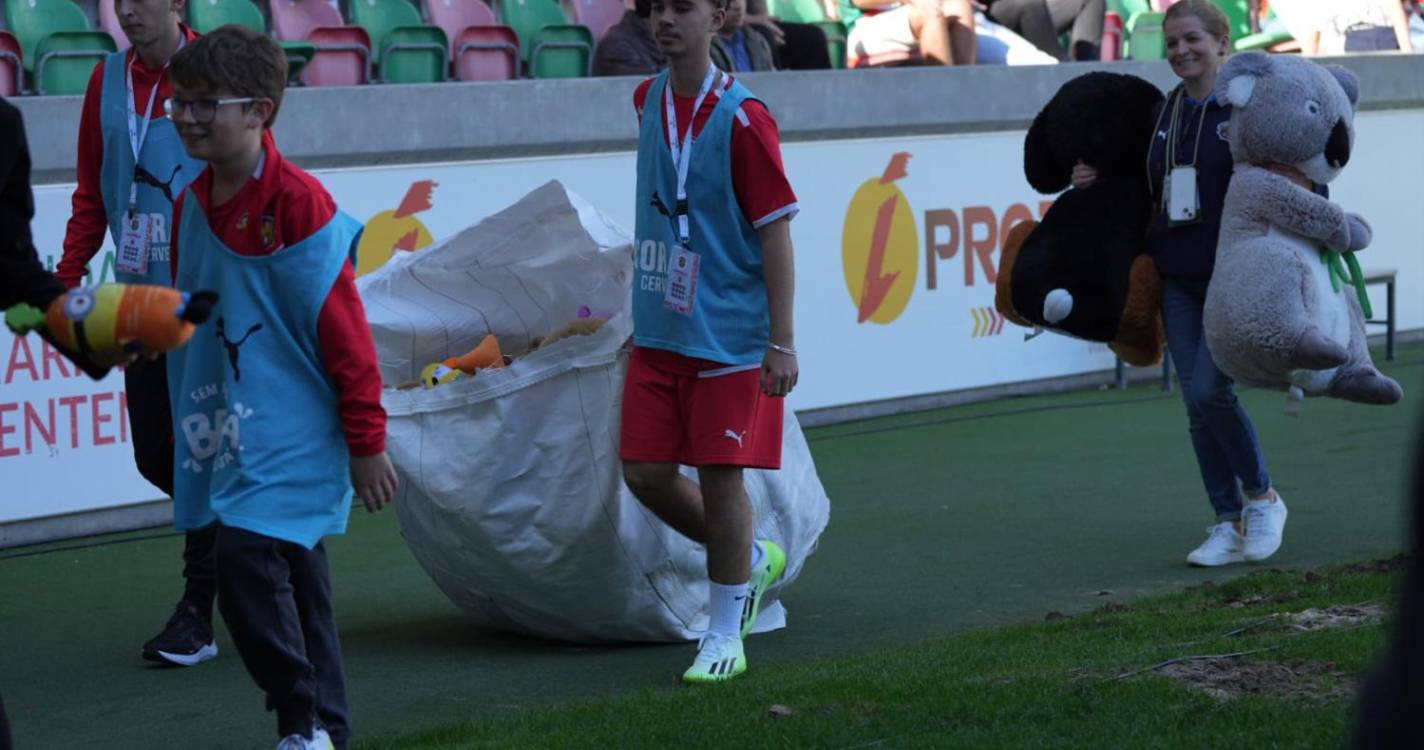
<point x="778" y="373"/>
<point x="375" y="480"/>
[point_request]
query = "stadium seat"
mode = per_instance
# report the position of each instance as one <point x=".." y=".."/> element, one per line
<point x="486" y="53"/>
<point x="299" y="54"/>
<point x="1243" y="32"/>
<point x="527" y="17"/>
<point x="798" y="11"/>
<point x="835" y="32"/>
<point x="33" y="20"/>
<point x="406" y="50"/>
<point x="561" y="52"/>
<point x="64" y="60"/>
<point x="597" y="15"/>
<point x="480" y="49"/>
<point x="1145" y="40"/>
<point x="206" y="15"/>
<point x="109" y="21"/>
<point x="342" y="54"/>
<point x="12" y="68"/>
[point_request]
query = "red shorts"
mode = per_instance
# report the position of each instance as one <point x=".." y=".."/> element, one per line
<point x="678" y="409"/>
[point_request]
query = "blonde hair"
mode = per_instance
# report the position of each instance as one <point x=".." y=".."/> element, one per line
<point x="1211" y="17"/>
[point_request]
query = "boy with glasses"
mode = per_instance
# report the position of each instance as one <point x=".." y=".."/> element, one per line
<point x="714" y="350"/>
<point x="131" y="166"/>
<point x="279" y="414"/>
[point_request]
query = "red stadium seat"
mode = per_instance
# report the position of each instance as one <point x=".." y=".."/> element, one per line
<point x="343" y="53"/>
<point x="597" y="15"/>
<point x="486" y="53"/>
<point x="12" y="69"/>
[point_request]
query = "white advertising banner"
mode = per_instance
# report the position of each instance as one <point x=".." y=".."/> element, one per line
<point x="897" y="249"/>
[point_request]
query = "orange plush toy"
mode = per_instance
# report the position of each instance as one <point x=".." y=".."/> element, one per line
<point x="117" y="318"/>
<point x="486" y="356"/>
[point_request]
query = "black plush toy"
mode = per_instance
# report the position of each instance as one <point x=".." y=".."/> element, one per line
<point x="1084" y="271"/>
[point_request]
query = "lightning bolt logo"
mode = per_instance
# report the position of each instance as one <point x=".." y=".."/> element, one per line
<point x="879" y="246"/>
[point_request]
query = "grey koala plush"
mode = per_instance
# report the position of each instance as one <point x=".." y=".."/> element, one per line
<point x="1274" y="318"/>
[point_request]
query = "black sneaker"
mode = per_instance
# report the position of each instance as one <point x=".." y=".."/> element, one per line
<point x="186" y="640"/>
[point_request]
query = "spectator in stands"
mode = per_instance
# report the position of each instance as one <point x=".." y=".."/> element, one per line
<point x="794" y="46"/>
<point x="1340" y="27"/>
<point x="628" y="47"/>
<point x="940" y="31"/>
<point x="131" y="166"/>
<point x="1042" y="21"/>
<point x="738" y="48"/>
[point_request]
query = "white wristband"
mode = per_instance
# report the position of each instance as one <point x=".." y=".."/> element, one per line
<point x="783" y="349"/>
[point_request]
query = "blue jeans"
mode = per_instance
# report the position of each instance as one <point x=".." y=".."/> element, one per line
<point x="1228" y="453"/>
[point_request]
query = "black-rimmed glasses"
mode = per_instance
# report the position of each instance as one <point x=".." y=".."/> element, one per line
<point x="201" y="110"/>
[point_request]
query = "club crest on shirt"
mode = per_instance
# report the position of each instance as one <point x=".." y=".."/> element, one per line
<point x="242" y="222"/>
<point x="269" y="230"/>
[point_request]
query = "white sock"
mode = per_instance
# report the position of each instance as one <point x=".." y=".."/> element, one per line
<point x="757" y="554"/>
<point x="727" y="609"/>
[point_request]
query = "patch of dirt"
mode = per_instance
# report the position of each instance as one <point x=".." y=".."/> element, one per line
<point x="1335" y="617"/>
<point x="1300" y="680"/>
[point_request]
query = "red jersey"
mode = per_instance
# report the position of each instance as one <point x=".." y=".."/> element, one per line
<point x="282" y="205"/>
<point x="89" y="221"/>
<point x="758" y="178"/>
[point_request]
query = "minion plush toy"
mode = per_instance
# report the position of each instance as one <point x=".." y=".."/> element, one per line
<point x="112" y="319"/>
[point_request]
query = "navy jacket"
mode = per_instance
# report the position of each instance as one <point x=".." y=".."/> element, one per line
<point x="1189" y="251"/>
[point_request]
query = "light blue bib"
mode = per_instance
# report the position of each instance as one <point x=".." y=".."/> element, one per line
<point x="259" y="443"/>
<point x="729" y="321"/>
<point x="163" y="171"/>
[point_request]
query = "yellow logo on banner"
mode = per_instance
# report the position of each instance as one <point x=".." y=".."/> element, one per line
<point x="880" y="246"/>
<point x="389" y="231"/>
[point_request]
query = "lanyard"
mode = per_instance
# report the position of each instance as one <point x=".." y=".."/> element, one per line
<point x="682" y="150"/>
<point x="137" y="135"/>
<point x="1175" y="135"/>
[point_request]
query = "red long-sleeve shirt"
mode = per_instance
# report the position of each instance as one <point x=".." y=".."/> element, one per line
<point x="281" y="206"/>
<point x="89" y="221"/>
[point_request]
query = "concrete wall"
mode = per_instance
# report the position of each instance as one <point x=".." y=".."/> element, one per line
<point x="369" y="125"/>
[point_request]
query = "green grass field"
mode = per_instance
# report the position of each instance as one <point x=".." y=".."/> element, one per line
<point x="942" y="523"/>
<point x="1144" y="674"/>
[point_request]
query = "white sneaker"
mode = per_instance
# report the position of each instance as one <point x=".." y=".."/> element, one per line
<point x="1265" y="520"/>
<point x="719" y="658"/>
<point x="320" y="740"/>
<point x="1223" y="546"/>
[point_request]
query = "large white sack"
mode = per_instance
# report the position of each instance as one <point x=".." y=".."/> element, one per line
<point x="512" y="496"/>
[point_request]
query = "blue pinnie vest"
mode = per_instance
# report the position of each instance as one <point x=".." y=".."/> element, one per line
<point x="259" y="443"/>
<point x="729" y="322"/>
<point x="164" y="170"/>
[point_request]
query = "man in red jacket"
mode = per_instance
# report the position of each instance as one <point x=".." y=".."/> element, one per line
<point x="131" y="168"/>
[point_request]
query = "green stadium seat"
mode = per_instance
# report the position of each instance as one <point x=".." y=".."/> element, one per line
<point x="206" y="15"/>
<point x="64" y="60"/>
<point x="1145" y="39"/>
<point x="298" y="55"/>
<point x="1243" y="33"/>
<point x="527" y="17"/>
<point x="798" y="11"/>
<point x="835" y="32"/>
<point x="561" y="51"/>
<point x="33" y="20"/>
<point x="406" y="50"/>
<point x="414" y="54"/>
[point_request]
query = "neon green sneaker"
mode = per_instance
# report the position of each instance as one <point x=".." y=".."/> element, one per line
<point x="719" y="658"/>
<point x="773" y="564"/>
